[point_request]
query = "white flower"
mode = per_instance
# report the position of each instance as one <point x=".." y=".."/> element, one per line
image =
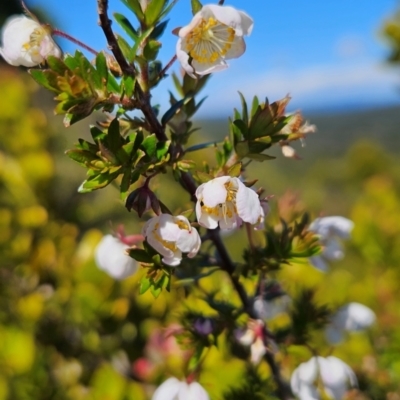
<point x="329" y="229"/>
<point x="254" y="337"/>
<point x="173" y="389"/>
<point x="214" y="35"/>
<point x="352" y="317"/>
<point x="330" y="375"/>
<point x="227" y="201"/>
<point x="268" y="309"/>
<point x="111" y="257"/>
<point x="26" y="42"/>
<point x="171" y="236"/>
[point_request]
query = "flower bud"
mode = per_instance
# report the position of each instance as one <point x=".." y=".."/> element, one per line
<point x="142" y="200"/>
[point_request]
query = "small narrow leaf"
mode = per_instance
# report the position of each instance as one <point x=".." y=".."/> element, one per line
<point x="126" y="26"/>
<point x="102" y="70"/>
<point x="245" y="113"/>
<point x="196" y="6"/>
<point x="153" y="11"/>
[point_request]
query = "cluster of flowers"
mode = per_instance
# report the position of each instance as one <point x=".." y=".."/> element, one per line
<point x="224" y="201"/>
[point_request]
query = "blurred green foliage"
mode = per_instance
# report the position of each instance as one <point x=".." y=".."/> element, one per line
<point x="68" y="331"/>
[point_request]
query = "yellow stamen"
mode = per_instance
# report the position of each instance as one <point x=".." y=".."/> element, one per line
<point x="209" y="41"/>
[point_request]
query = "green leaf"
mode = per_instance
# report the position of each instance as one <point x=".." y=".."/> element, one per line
<point x="254" y="105"/>
<point x="128" y="83"/>
<point x="177" y="84"/>
<point x="112" y="84"/>
<point x="242" y="127"/>
<point x="150" y="145"/>
<point x="125" y="48"/>
<point x="145" y="284"/>
<point x="259" y="146"/>
<point x="56" y="64"/>
<point x="96" y="133"/>
<point x="102" y="70"/>
<point x="135" y="6"/>
<point x="125" y="183"/>
<point x="47" y="79"/>
<point x="245" y="113"/>
<point x="168" y="9"/>
<point x="235" y="170"/>
<point x="97" y="182"/>
<point x="153" y="11"/>
<point x="169" y="114"/>
<point x="151" y="50"/>
<point x="196" y="6"/>
<point x="260" y="121"/>
<point x="114" y="139"/>
<point x="203" y="177"/>
<point x="159" y="30"/>
<point x="195" y="359"/>
<point x="162" y="149"/>
<point x="81" y="156"/>
<point x="126" y="26"/>
<point x="140" y="255"/>
<point x="201" y="146"/>
<point x="259" y="157"/>
<point x="242" y="149"/>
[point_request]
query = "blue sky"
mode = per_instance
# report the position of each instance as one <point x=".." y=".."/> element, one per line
<point x="327" y="55"/>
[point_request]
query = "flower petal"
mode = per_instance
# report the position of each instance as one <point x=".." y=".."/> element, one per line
<point x="183" y="58"/>
<point x="247" y="203"/>
<point x="111" y="258"/>
<point x="167" y="390"/>
<point x="205" y="68"/>
<point x="229" y="16"/>
<point x="238" y="47"/>
<point x="196" y="392"/>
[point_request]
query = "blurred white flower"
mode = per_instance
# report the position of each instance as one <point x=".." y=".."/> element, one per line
<point x="329" y="230"/>
<point x="214" y="35"/>
<point x="171" y="236"/>
<point x="111" y="257"/>
<point x="174" y="389"/>
<point x="329" y="375"/>
<point x="254" y="336"/>
<point x="25" y="42"/>
<point x="352" y="317"/>
<point x="226" y="202"/>
<point x="268" y="309"/>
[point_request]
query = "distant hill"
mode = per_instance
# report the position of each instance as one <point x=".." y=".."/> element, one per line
<point x="336" y="132"/>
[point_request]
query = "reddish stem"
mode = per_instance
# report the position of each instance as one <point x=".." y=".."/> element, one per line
<point x="57" y="32"/>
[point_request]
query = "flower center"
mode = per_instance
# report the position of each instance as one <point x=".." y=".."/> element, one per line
<point x="227" y="209"/>
<point x="209" y="40"/>
<point x="35" y="40"/>
<point x="167" y="244"/>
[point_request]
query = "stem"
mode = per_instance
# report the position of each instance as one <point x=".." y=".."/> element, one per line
<point x="167" y="67"/>
<point x="64" y="35"/>
<point x="127" y="69"/>
<point x="186" y="180"/>
<point x="105" y="24"/>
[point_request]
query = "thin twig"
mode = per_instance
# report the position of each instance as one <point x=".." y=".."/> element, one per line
<point x="167" y="67"/>
<point x="129" y="70"/>
<point x="64" y="35"/>
<point x="105" y="24"/>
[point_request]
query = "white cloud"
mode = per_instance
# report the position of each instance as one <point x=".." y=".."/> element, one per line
<point x="317" y="86"/>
